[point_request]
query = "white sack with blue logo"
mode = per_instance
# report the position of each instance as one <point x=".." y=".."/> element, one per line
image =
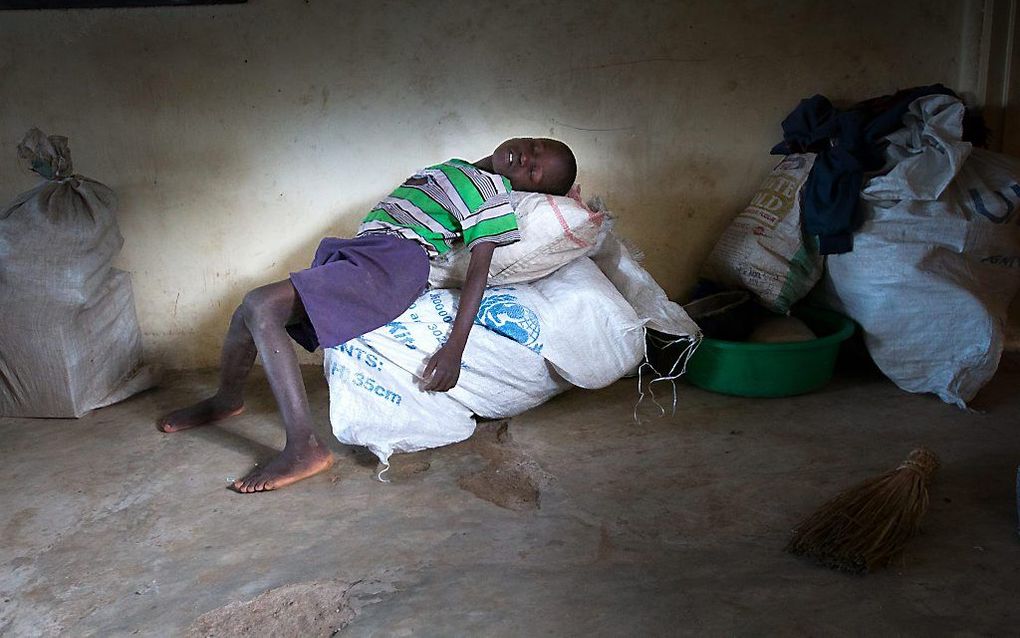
<point x="937" y="261"/>
<point x="529" y="343"/>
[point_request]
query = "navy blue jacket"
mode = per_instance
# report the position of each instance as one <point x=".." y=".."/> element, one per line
<point x="848" y="143"/>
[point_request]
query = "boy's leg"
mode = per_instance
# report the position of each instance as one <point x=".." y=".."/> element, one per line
<point x="236" y="361"/>
<point x="266" y="312"/>
<point x="259" y="324"/>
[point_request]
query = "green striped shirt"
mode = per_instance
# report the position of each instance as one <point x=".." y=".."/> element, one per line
<point x="449" y="202"/>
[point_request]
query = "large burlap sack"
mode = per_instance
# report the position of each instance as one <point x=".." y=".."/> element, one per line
<point x="764" y="249"/>
<point x="69" y="337"/>
<point x="554" y="232"/>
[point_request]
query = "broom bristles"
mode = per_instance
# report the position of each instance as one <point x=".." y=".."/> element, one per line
<point x="867" y="527"/>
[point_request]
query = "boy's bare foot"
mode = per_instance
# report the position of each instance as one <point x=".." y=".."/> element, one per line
<point x="201" y="413"/>
<point x="296" y="462"/>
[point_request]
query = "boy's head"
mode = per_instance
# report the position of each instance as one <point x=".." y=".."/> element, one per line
<point x="537" y="165"/>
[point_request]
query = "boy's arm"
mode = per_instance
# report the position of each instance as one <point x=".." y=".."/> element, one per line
<point x="443" y="368"/>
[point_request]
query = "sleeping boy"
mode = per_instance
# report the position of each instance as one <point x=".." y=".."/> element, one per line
<point x="354" y="286"/>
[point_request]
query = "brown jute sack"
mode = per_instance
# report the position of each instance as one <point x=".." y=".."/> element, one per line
<point x="69" y="337"/>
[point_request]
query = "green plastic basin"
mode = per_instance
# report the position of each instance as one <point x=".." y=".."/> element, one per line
<point x="772" y="369"/>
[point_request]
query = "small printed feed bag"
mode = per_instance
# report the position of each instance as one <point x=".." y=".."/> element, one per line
<point x="933" y="272"/>
<point x="764" y="249"/>
<point x="554" y="232"/>
<point x="69" y="338"/>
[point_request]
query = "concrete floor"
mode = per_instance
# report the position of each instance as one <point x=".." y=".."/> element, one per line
<point x="673" y="525"/>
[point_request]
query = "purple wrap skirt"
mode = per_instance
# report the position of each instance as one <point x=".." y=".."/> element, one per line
<point x="357" y="285"/>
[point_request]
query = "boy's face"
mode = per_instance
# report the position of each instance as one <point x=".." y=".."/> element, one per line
<point x="536" y="165"/>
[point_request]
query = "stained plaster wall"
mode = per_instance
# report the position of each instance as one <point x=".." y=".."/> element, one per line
<point x="238" y="135"/>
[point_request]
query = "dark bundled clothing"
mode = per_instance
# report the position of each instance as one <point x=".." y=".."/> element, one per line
<point x="848" y="144"/>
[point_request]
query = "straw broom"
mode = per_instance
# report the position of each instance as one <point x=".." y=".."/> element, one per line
<point x="866" y="527"/>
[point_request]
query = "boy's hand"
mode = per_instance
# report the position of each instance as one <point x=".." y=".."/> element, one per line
<point x="443" y="369"/>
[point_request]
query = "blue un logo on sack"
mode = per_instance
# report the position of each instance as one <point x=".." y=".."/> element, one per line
<point x="505" y="315"/>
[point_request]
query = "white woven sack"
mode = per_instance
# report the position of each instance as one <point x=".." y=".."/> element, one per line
<point x="554" y="232"/>
<point x="530" y="342"/>
<point x="375" y="380"/>
<point x="930" y="282"/>
<point x="639" y="288"/>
